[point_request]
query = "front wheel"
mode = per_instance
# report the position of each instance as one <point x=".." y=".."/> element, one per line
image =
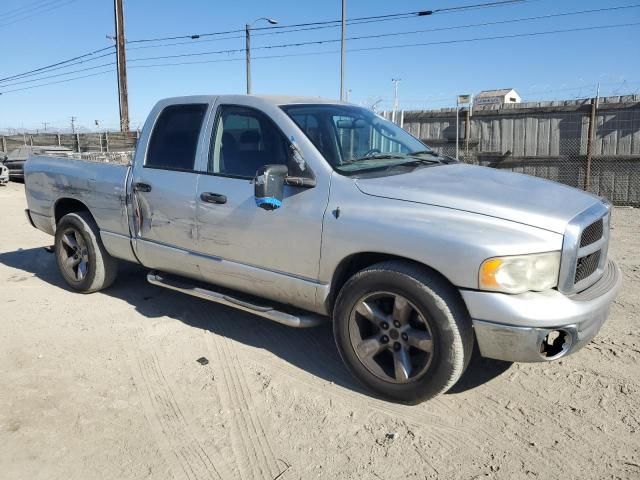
<point x="82" y="259"/>
<point x="403" y="331"/>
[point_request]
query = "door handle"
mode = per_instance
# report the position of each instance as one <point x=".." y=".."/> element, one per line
<point x="141" y="187"/>
<point x="213" y="198"/>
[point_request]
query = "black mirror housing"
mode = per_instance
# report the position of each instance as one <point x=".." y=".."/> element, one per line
<point x="269" y="185"/>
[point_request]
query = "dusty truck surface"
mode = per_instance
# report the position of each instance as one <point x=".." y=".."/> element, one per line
<point x="303" y="210"/>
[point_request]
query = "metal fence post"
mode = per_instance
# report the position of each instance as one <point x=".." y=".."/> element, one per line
<point x="457" y="126"/>
<point x="58" y="138"/>
<point x="4" y="144"/>
<point x="467" y="133"/>
<point x="106" y="140"/>
<point x="590" y="137"/>
<point x="78" y="141"/>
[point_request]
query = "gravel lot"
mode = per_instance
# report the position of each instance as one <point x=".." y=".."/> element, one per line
<point x="108" y="386"/>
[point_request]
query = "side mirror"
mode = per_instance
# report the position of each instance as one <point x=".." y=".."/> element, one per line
<point x="268" y="186"/>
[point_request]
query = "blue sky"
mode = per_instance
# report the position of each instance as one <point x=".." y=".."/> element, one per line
<point x="565" y="65"/>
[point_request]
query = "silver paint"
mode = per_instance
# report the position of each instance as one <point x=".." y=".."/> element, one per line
<point x="448" y="217"/>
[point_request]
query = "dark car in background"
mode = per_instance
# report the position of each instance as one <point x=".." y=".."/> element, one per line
<point x="16" y="159"/>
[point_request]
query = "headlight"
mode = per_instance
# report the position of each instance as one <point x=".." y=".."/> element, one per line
<point x="520" y="273"/>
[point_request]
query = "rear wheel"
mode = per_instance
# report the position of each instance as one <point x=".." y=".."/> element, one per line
<point x="403" y="331"/>
<point x="81" y="257"/>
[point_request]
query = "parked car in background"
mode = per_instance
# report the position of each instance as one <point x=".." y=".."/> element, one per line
<point x="302" y="210"/>
<point x="4" y="174"/>
<point x="16" y="159"/>
<point x="4" y="171"/>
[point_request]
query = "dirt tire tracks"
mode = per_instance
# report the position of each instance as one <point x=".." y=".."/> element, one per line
<point x="184" y="453"/>
<point x="442" y="428"/>
<point x="249" y="441"/>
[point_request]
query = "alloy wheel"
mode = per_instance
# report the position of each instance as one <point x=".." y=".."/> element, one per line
<point x="391" y="337"/>
<point x="74" y="255"/>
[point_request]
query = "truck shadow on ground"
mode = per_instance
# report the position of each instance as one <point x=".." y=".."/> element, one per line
<point x="312" y="350"/>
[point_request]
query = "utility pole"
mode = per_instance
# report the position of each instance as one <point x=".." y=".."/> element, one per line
<point x="342" y="48"/>
<point x="247" y="47"/>
<point x="395" y="98"/>
<point x="73" y="124"/>
<point x="44" y="124"/>
<point x="123" y="95"/>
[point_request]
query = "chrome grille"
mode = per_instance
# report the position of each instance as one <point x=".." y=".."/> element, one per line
<point x="591" y="234"/>
<point x="586" y="266"/>
<point x="584" y="249"/>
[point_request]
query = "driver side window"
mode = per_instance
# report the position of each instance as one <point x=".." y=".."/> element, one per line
<point x="245" y="139"/>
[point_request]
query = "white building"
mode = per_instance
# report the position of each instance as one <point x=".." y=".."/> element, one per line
<point x="497" y="97"/>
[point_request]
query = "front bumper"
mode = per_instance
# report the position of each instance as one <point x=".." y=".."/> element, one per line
<point x="514" y="327"/>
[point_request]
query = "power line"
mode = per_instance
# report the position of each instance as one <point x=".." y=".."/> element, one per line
<point x="196" y="40"/>
<point x="13" y="11"/>
<point x="54" y="83"/>
<point x="314" y="25"/>
<point x="57" y="64"/>
<point x="499" y="37"/>
<point x="320" y="42"/>
<point x="58" y="75"/>
<point x="428" y="30"/>
<point x="417" y="13"/>
<point x="443" y="42"/>
<point x="38" y="11"/>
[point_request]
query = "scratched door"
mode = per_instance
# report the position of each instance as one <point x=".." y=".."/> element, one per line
<point x="164" y="189"/>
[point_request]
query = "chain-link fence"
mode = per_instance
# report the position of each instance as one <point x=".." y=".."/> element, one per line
<point x="577" y="143"/>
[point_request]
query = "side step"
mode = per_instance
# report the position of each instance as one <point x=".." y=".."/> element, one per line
<point x="171" y="282"/>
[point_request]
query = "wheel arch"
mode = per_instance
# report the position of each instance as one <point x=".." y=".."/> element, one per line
<point x="66" y="205"/>
<point x="355" y="262"/>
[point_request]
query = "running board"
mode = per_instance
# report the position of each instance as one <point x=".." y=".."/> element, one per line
<point x="304" y="320"/>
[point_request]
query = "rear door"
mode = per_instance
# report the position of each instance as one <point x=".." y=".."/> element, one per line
<point x="164" y="186"/>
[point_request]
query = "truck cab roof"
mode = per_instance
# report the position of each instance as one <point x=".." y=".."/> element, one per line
<point x="273" y="100"/>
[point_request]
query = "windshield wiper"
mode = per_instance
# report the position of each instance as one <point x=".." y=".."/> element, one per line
<point x="415" y="162"/>
<point x="424" y="152"/>
<point x="376" y="156"/>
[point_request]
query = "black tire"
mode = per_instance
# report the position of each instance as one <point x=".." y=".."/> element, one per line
<point x="100" y="268"/>
<point x="436" y="303"/>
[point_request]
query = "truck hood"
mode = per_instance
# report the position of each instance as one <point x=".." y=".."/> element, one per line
<point x="486" y="191"/>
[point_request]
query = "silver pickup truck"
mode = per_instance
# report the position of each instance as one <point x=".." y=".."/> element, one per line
<point x="302" y="210"/>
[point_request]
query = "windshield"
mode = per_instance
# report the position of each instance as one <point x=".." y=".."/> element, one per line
<point x="354" y="139"/>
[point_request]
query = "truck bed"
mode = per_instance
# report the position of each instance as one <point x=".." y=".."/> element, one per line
<point x="100" y="186"/>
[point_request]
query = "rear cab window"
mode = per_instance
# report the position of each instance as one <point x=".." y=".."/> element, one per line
<point x="174" y="140"/>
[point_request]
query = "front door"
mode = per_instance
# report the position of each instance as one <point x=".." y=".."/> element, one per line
<point x="275" y="253"/>
<point x="164" y="188"/>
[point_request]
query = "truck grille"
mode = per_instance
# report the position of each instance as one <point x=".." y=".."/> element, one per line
<point x="591" y="234"/>
<point x="584" y="249"/>
<point x="586" y="266"/>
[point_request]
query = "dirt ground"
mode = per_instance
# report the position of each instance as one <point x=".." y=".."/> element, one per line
<point x="108" y="386"/>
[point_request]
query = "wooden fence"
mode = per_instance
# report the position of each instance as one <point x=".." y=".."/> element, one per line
<point x="78" y="142"/>
<point x="591" y="146"/>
